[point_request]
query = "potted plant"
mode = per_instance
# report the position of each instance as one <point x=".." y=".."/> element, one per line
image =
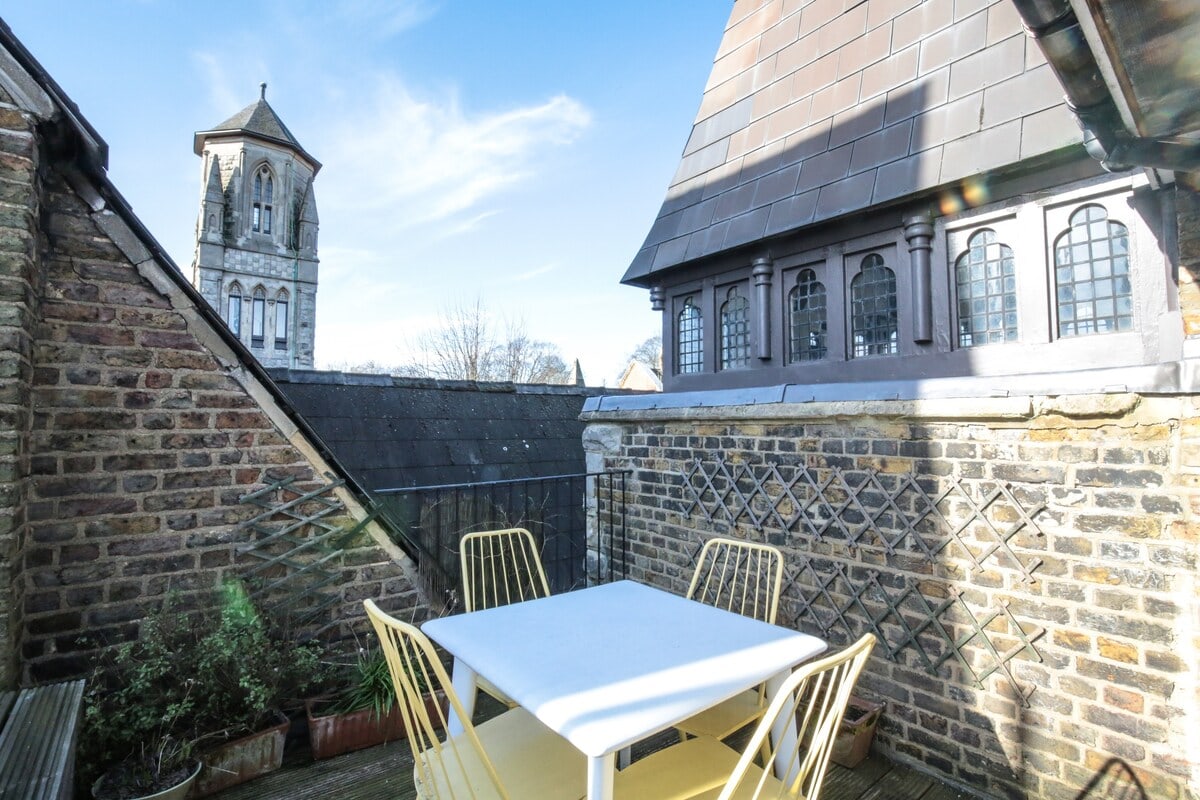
<point x="191" y="685"/>
<point x="364" y="713"/>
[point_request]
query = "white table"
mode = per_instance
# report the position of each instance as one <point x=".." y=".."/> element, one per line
<point x="606" y="666"/>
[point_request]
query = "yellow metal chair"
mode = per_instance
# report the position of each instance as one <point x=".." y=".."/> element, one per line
<point x="509" y="757"/>
<point x="745" y="578"/>
<point x="815" y="696"/>
<point x="498" y="568"/>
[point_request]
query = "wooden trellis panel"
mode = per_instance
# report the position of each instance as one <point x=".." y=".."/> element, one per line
<point x="294" y="550"/>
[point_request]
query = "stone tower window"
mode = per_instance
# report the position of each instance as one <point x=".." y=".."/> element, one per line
<point x="807" y="318"/>
<point x="873" y="309"/>
<point x="234" y="315"/>
<point x="690" y="352"/>
<point x="281" y="321"/>
<point x="263" y="198"/>
<point x="258" y="313"/>
<point x="986" y="288"/>
<point x="1091" y="273"/>
<point x="735" y="331"/>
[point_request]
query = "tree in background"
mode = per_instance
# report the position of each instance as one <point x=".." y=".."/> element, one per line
<point x="649" y="353"/>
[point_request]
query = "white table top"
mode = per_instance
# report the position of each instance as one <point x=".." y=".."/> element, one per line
<point x="608" y="665"/>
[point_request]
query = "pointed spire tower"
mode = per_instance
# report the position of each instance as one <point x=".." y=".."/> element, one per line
<point x="256" y="234"/>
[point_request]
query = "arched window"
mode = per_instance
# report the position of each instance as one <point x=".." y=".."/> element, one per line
<point x="234" y="315"/>
<point x="735" y="331"/>
<point x="807" y="318"/>
<point x="1091" y="273"/>
<point x="258" y="314"/>
<point x="262" y="199"/>
<point x="689" y="339"/>
<point x="986" y="283"/>
<point x="873" y="317"/>
<point x="281" y="321"/>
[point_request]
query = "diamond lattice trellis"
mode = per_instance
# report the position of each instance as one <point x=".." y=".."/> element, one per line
<point x="890" y="513"/>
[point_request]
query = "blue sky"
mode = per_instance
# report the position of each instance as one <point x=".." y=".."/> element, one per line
<point x="514" y="150"/>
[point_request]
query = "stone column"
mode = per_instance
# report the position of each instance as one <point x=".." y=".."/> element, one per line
<point x="918" y="230"/>
<point x="763" y="270"/>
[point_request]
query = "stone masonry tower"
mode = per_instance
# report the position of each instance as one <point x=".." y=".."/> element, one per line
<point x="256" y="236"/>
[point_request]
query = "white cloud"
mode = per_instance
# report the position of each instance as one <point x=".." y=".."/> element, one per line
<point x="408" y="161"/>
<point x="385" y="18"/>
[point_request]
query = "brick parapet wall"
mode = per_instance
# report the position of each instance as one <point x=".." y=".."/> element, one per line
<point x="19" y="210"/>
<point x="1110" y="600"/>
<point x="145" y="436"/>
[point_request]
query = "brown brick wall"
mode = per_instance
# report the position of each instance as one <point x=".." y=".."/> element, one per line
<point x="1102" y="578"/>
<point x="19" y="209"/>
<point x="126" y="443"/>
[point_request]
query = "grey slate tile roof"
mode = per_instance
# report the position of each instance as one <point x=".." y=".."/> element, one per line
<point x="391" y="432"/>
<point x="257" y="119"/>
<point x="819" y="108"/>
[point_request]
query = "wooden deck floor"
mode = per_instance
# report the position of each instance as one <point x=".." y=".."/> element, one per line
<point x="386" y="772"/>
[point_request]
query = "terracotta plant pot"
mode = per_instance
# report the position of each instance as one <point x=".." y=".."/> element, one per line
<point x="242" y="760"/>
<point x="856" y="732"/>
<point x="333" y="734"/>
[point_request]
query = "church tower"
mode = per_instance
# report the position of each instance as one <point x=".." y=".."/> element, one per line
<point x="256" y="236"/>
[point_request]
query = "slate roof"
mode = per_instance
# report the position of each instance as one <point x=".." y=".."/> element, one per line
<point x="391" y="432"/>
<point x="815" y="110"/>
<point x="257" y="119"/>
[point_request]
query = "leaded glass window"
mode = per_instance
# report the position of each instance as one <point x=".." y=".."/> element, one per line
<point x="258" y="313"/>
<point x="807" y="318"/>
<point x="873" y="315"/>
<point x="281" y="322"/>
<point x="689" y="339"/>
<point x="1091" y="273"/>
<point x="986" y="288"/>
<point x="735" y="331"/>
<point x="262" y="198"/>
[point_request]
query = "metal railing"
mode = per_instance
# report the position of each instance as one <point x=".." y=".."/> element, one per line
<point x="579" y="521"/>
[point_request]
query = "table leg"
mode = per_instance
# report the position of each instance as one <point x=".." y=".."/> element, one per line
<point x="783" y="731"/>
<point x="600" y="776"/>
<point x="463" y="681"/>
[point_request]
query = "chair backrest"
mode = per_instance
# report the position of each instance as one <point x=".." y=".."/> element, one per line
<point x="417" y="672"/>
<point x="738" y="576"/>
<point x="815" y="696"/>
<point x="500" y="567"/>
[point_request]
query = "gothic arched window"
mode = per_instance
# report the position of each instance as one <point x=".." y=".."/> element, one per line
<point x="281" y="321"/>
<point x="873" y="318"/>
<point x="234" y="315"/>
<point x="258" y="313"/>
<point x="688" y="338"/>
<point x="1091" y="274"/>
<point x="262" y="197"/>
<point x="985" y="280"/>
<point x="807" y="318"/>
<point x="735" y="331"/>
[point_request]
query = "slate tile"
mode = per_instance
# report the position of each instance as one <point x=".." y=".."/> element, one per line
<point x="849" y="194"/>
<point x="836" y="98"/>
<point x="880" y="12"/>
<point x="948" y="122"/>
<point x="734" y="202"/>
<point x="789" y="119"/>
<point x="767" y="101"/>
<point x="815" y="76"/>
<point x="719" y="126"/>
<point x="879" y="148"/>
<point x="683" y="194"/>
<point x="808" y="142"/>
<point x="702" y="161"/>
<point x="722" y="179"/>
<point x="1003" y="21"/>
<point x="896" y="70"/>
<point x="763" y="73"/>
<point x="747" y="227"/>
<point x="1049" y="130"/>
<point x="819" y="13"/>
<point x="729" y="65"/>
<point x="873" y="46"/>
<point x="924" y="20"/>
<point x="708" y="241"/>
<point x="1027" y="93"/>
<point x="664" y="228"/>
<point x="845" y="28"/>
<point x="728" y="93"/>
<point x="748" y="139"/>
<point x="697" y="216"/>
<point x="779" y="35"/>
<point x="776" y="186"/>
<point x="792" y="212"/>
<point x="982" y="151"/>
<point x="990" y="66"/>
<point x="853" y="124"/>
<point x="669" y="253"/>
<point x="954" y="43"/>
<point x="908" y="175"/>
<point x="763" y="161"/>
<point x="824" y="168"/>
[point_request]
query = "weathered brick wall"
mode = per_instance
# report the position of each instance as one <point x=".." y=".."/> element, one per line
<point x="1068" y="523"/>
<point x="143" y="433"/>
<point x="1187" y="207"/>
<point x="19" y="208"/>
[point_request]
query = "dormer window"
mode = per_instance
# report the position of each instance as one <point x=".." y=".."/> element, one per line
<point x="262" y="197"/>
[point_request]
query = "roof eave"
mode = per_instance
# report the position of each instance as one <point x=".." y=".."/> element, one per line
<point x="203" y="136"/>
